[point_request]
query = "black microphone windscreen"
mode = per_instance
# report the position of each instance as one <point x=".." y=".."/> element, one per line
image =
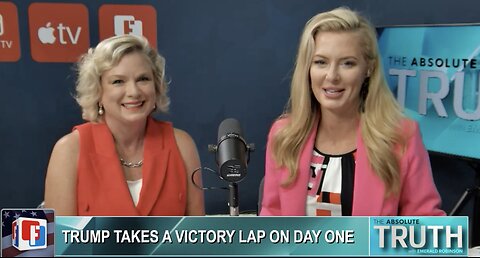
<point x="229" y="125"/>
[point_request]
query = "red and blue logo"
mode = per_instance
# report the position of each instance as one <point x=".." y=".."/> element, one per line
<point x="29" y="234"/>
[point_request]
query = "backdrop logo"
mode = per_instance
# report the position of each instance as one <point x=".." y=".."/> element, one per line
<point x="419" y="236"/>
<point x="1" y="25"/>
<point x="434" y="72"/>
<point x="126" y="24"/>
<point x="437" y="95"/>
<point x="29" y="234"/>
<point x="9" y="33"/>
<point x="46" y="34"/>
<point x="58" y="32"/>
<point x="139" y="20"/>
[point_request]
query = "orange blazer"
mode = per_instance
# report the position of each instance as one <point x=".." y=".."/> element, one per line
<point x="102" y="189"/>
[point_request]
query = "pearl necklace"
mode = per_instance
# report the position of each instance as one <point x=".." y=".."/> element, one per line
<point x="131" y="164"/>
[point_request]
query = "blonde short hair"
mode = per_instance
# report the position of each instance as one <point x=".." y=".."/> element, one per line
<point x="105" y="56"/>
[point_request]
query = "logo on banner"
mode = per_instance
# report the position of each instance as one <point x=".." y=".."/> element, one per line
<point x="46" y="34"/>
<point x="1" y="25"/>
<point x="58" y="31"/>
<point x="9" y="33"/>
<point x="29" y="234"/>
<point x="138" y="20"/>
<point x="126" y="24"/>
<point x="418" y="236"/>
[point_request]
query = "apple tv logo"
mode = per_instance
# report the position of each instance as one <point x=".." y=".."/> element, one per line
<point x="46" y="34"/>
<point x="59" y="32"/>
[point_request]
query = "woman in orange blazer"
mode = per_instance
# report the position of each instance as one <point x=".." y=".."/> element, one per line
<point x="343" y="147"/>
<point x="123" y="162"/>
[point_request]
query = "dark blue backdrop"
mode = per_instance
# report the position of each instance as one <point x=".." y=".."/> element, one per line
<point x="225" y="58"/>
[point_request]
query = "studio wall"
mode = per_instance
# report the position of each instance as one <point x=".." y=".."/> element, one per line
<point x="224" y="58"/>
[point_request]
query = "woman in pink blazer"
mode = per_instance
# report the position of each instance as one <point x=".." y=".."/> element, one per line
<point x="343" y="146"/>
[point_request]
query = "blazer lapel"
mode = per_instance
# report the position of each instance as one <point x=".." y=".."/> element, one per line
<point x="108" y="171"/>
<point x="156" y="157"/>
<point x="369" y="190"/>
<point x="296" y="196"/>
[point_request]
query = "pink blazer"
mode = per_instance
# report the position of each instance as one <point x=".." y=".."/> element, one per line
<point x="418" y="195"/>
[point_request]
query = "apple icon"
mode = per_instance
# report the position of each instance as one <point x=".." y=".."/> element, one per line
<point x="45" y="34"/>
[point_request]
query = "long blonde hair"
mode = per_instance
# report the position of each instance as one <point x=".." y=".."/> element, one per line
<point x="381" y="115"/>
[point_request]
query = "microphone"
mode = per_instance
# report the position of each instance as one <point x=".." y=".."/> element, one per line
<point x="232" y="152"/>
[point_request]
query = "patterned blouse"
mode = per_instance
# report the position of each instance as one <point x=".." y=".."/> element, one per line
<point x="330" y="188"/>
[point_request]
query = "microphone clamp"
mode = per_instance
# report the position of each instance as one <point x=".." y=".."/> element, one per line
<point x="213" y="148"/>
